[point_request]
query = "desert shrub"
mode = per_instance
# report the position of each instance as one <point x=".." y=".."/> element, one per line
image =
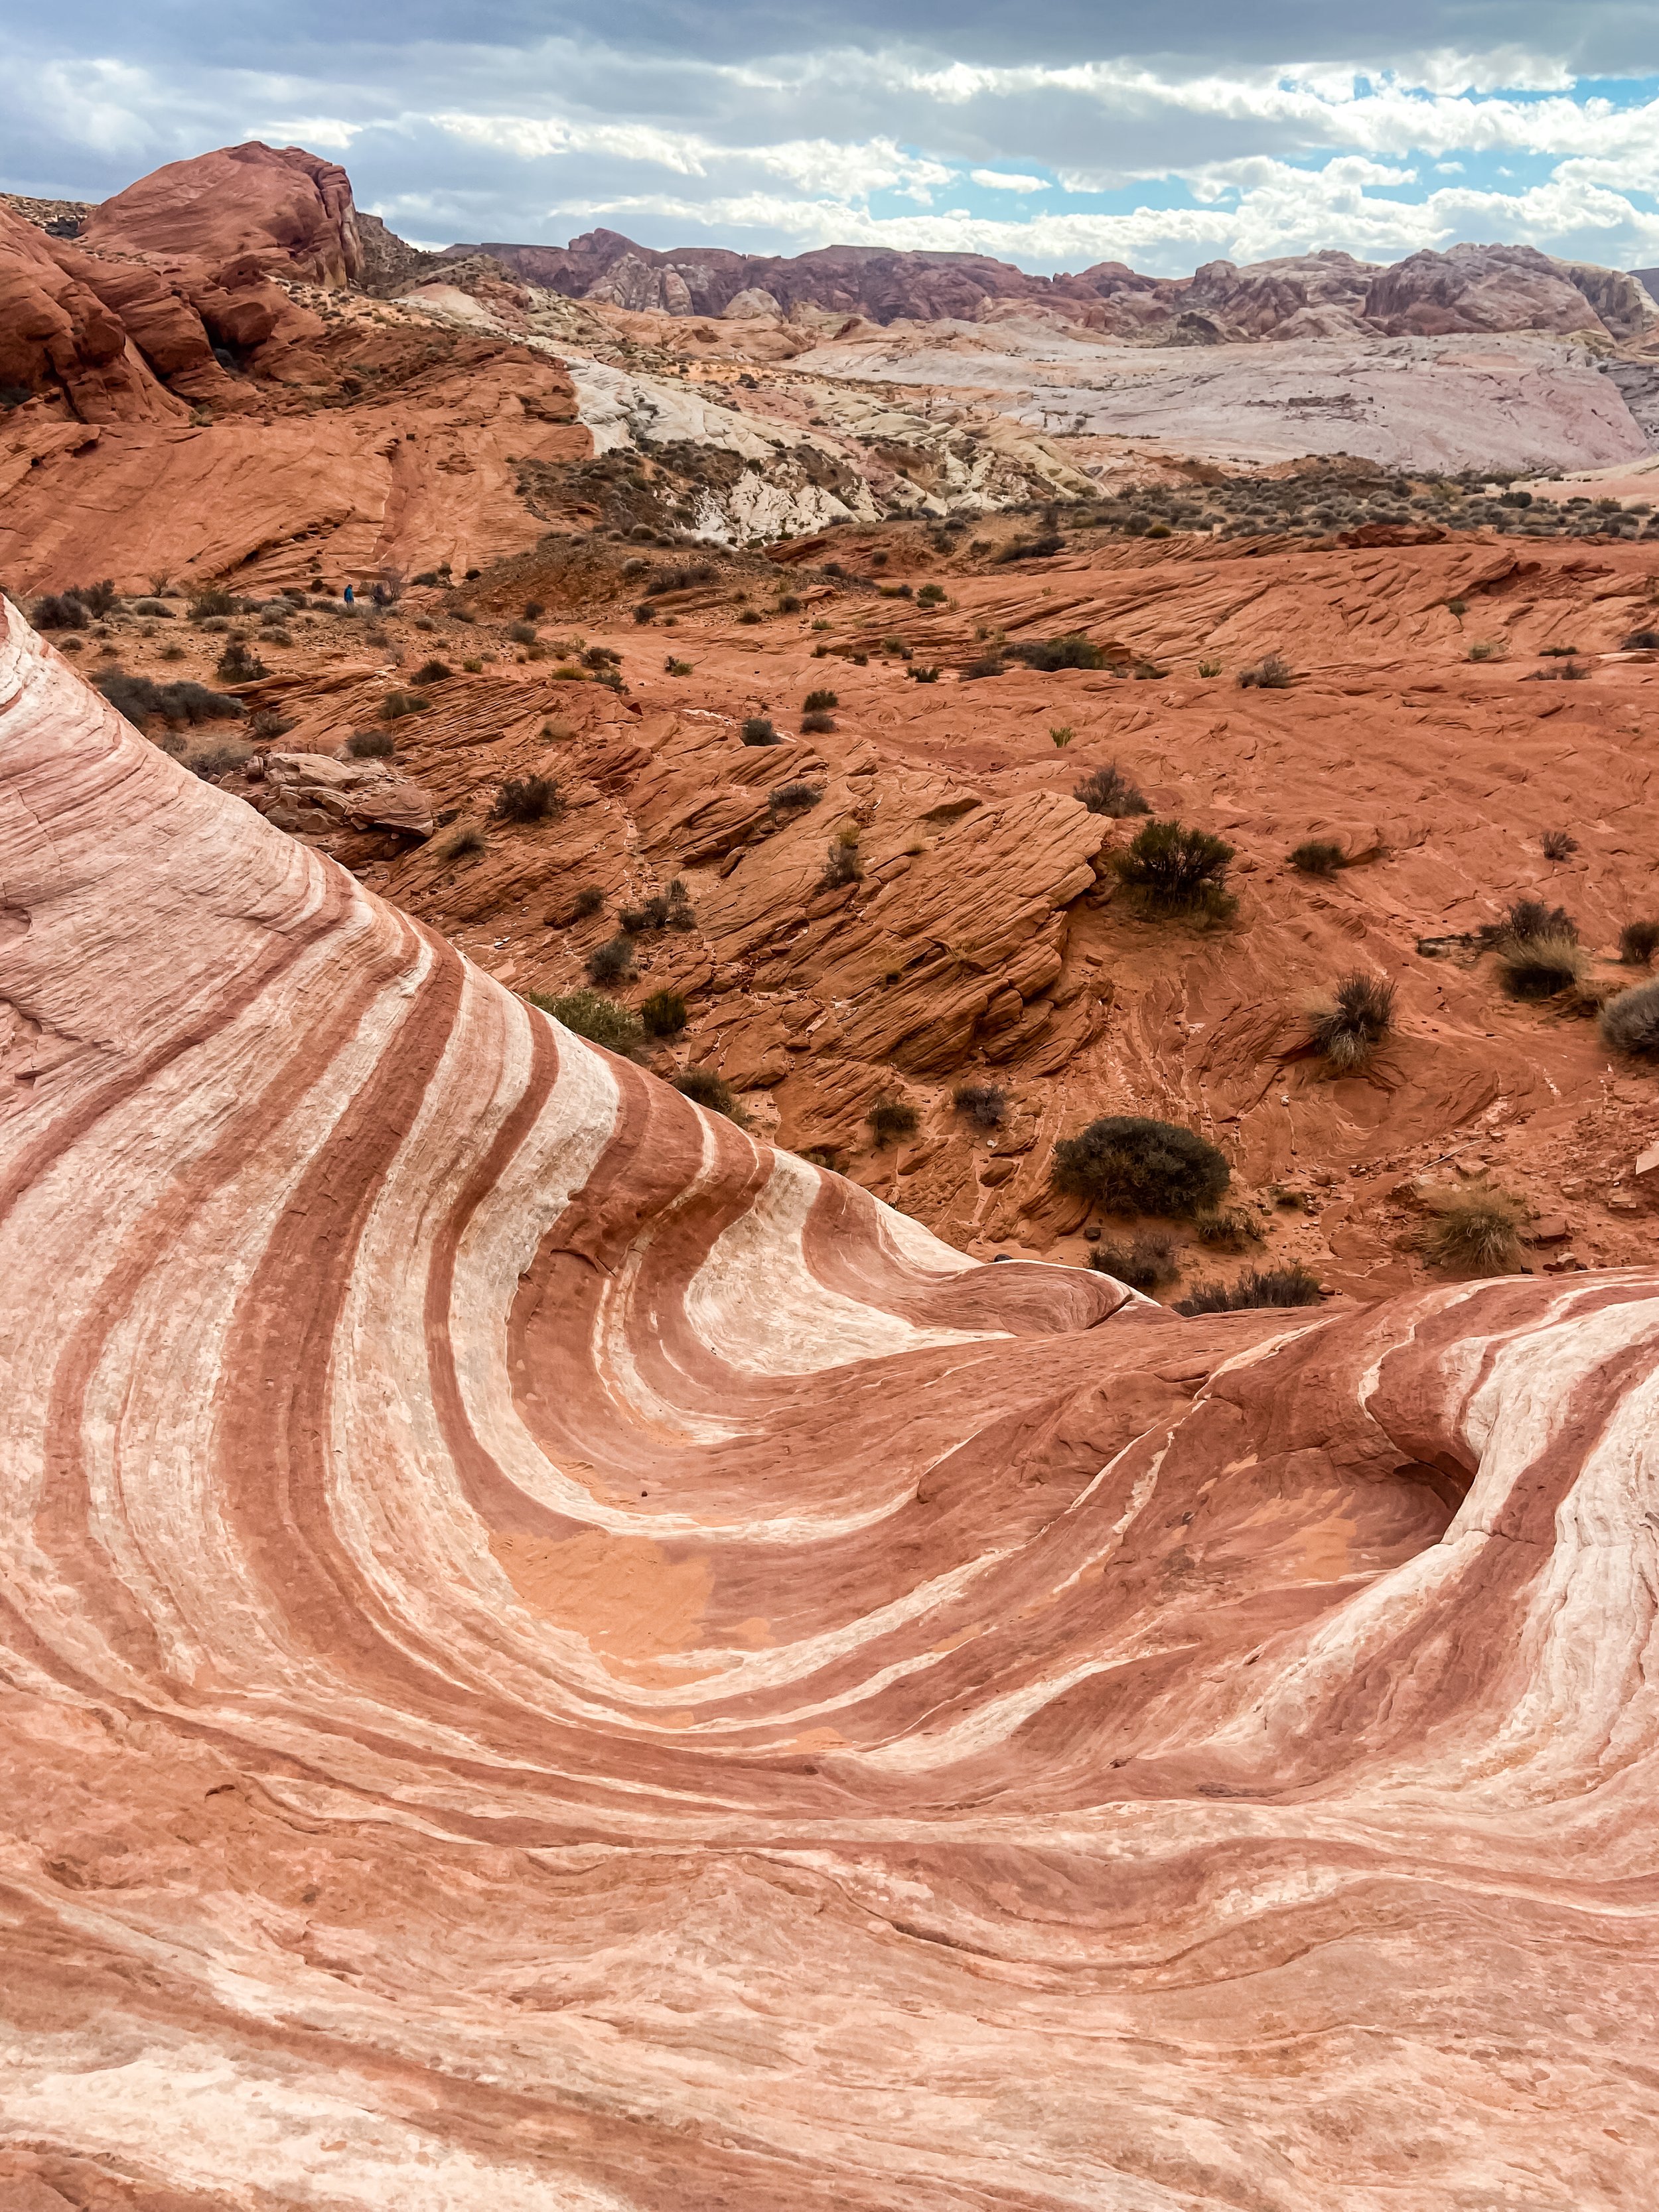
<point x="462" y="843"/>
<point x="522" y="633"/>
<point x="1031" y="549"/>
<point x="1257" y="1286"/>
<point x="397" y="704"/>
<point x="1229" y="1229"/>
<point x="891" y="1119"/>
<point x="433" y="671"/>
<point x="1637" y="943"/>
<point x="590" y="1014"/>
<point x="1062" y="735"/>
<point x="922" y="675"/>
<point x="1318" y="856"/>
<point x="758" y="730"/>
<point x="1207" y="668"/>
<point x="1556" y="845"/>
<point x="238" y="665"/>
<point x="1489" y="648"/>
<point x="679" y="579"/>
<point x="1129" y="1163"/>
<point x="157" y="610"/>
<point x="931" y="595"/>
<point x="677" y="668"/>
<point x="613" y="960"/>
<point x="527" y="798"/>
<point x="1109" y="791"/>
<point x="59" y="610"/>
<point x="669" y="910"/>
<point x="137" y="697"/>
<point x="1271" y="673"/>
<point x="1047" y="654"/>
<point x="704" y="1087"/>
<point x="97" y="598"/>
<point x="788" y="603"/>
<point x="268" y="726"/>
<point x="1476" y="1231"/>
<point x="793" y="798"/>
<point x="211" y="604"/>
<point x="588" y="901"/>
<point x="1642" y="641"/>
<point x="371" y="744"/>
<point x="1530" y="918"/>
<point x="1148" y="1263"/>
<point x="815" y="725"/>
<point x="1173" y="870"/>
<point x="600" y="658"/>
<point x="223" y="759"/>
<point x="984" y="1103"/>
<point x="1630" y="1023"/>
<point x="645" y="612"/>
<point x="664" y="1013"/>
<point x="1345" y="1030"/>
<point x="1539" y="967"/>
<point x="843" y="865"/>
<point x="749" y="617"/>
<point x="820" y="703"/>
<point x="987" y="663"/>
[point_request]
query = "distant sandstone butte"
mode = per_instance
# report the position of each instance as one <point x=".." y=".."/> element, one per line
<point x="280" y="205"/>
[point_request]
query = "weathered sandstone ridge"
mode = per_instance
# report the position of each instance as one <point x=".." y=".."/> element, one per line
<point x="557" y="1656"/>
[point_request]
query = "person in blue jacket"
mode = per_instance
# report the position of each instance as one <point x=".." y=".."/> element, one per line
<point x="350" y="596"/>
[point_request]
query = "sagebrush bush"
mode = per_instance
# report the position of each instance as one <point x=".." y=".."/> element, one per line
<point x="1630" y="1023"/>
<point x="793" y="798"/>
<point x="985" y="1104"/>
<point x="433" y="671"/>
<point x="589" y="900"/>
<point x="759" y="730"/>
<point x="1147" y="1263"/>
<point x="397" y="704"/>
<point x="1530" y="918"/>
<point x="1476" y="1231"/>
<point x="1257" y="1286"/>
<point x="527" y="798"/>
<point x="1637" y="943"/>
<point x="705" y="1088"/>
<point x="891" y="1119"/>
<point x="820" y="703"/>
<point x="669" y="910"/>
<point x="843" y="865"/>
<point x="611" y="962"/>
<point x="1347" y="1029"/>
<point x="1539" y="967"/>
<point x="210" y="605"/>
<point x="1131" y="1163"/>
<point x="1173" y="870"/>
<point x="462" y="843"/>
<point x="237" y="664"/>
<point x="1046" y="654"/>
<point x="592" y="1015"/>
<point x="521" y="632"/>
<point x="1271" y="673"/>
<point x="371" y="744"/>
<point x="138" y="697"/>
<point x="1230" y="1228"/>
<point x="816" y="725"/>
<point x="1557" y="845"/>
<point x="664" y="1013"/>
<point x="1109" y="791"/>
<point x="1318" y="856"/>
<point x="59" y="610"/>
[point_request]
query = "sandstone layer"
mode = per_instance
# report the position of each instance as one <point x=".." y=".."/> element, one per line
<point x="558" y="1655"/>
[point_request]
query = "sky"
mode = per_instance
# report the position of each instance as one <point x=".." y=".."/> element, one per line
<point x="1051" y="134"/>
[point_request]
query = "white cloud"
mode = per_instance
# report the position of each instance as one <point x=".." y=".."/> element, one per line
<point x="997" y="180"/>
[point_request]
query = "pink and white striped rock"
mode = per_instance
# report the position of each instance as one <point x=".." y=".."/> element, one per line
<point x="554" y="1657"/>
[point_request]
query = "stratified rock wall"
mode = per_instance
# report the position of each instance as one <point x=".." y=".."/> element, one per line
<point x="555" y="1656"/>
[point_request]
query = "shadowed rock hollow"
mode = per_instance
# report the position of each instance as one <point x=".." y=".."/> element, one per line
<point x="556" y="1657"/>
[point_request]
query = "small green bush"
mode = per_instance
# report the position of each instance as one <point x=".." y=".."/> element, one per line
<point x="931" y="595"/>
<point x="820" y="703"/>
<point x="985" y="1104"/>
<point x="1173" y="870"/>
<point x="590" y="1014"/>
<point x="1267" y="1286"/>
<point x="527" y="798"/>
<point x="611" y="962"/>
<point x="891" y="1119"/>
<point x="1318" y="856"/>
<point x="1347" y="1029"/>
<point x="1630" y="1023"/>
<point x="1047" y="654"/>
<point x="1130" y="1163"/>
<point x="664" y="1013"/>
<point x="1108" y="790"/>
<point x="1149" y="1263"/>
<point x="371" y="744"/>
<point x="705" y="1088"/>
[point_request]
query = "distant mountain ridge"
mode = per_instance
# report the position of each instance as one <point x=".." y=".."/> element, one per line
<point x="1324" y="295"/>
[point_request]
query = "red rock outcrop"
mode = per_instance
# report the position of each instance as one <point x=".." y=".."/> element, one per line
<point x="556" y="1656"/>
<point x="57" y="335"/>
<point x="287" y="210"/>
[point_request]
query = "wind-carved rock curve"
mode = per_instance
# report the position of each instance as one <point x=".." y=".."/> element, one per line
<point x="556" y="1657"/>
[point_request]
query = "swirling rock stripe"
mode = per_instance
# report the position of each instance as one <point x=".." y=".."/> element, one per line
<point x="556" y="1657"/>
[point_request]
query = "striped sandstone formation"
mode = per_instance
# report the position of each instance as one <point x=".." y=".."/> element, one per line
<point x="555" y="1656"/>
